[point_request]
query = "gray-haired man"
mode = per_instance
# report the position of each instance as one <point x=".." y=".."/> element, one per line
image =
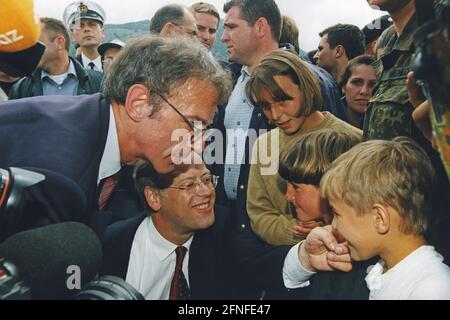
<point x="158" y="85"/>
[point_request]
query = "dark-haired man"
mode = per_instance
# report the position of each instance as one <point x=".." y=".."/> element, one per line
<point x="339" y="44"/>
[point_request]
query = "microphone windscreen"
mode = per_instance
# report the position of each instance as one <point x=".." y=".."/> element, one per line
<point x="20" y="27"/>
<point x="47" y="257"/>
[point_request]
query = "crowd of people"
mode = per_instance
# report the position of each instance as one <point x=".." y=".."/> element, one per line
<point x="327" y="181"/>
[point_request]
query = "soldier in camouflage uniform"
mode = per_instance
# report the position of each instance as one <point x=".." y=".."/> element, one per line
<point x="432" y="38"/>
<point x="389" y="113"/>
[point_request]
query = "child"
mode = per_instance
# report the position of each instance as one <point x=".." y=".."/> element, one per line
<point x="303" y="163"/>
<point x="380" y="194"/>
<point x="284" y="88"/>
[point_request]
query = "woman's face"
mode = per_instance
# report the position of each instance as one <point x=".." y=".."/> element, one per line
<point x="359" y="87"/>
<point x="284" y="114"/>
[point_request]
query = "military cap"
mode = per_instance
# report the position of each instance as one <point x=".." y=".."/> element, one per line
<point x="83" y="10"/>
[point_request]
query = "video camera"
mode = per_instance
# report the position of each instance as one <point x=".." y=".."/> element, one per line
<point x="13" y="183"/>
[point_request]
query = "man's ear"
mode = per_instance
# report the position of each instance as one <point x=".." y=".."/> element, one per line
<point x="138" y="104"/>
<point x="153" y="199"/>
<point x="381" y="218"/>
<point x="340" y="51"/>
<point x="262" y="27"/>
<point x="60" y="42"/>
<point x="167" y="30"/>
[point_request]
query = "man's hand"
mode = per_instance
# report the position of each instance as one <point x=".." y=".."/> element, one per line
<point x="321" y="251"/>
<point x="415" y="94"/>
<point x="422" y="109"/>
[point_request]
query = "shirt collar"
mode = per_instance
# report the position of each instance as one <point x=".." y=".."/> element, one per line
<point x="375" y="275"/>
<point x="163" y="247"/>
<point x="110" y="163"/>
<point x="406" y="39"/>
<point x="71" y="70"/>
<point x="245" y="72"/>
<point x="97" y="61"/>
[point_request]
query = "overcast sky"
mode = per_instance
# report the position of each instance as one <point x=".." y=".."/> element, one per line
<point x="312" y="16"/>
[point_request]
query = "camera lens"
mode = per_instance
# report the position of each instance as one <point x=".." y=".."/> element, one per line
<point x="108" y="288"/>
<point x="4" y="185"/>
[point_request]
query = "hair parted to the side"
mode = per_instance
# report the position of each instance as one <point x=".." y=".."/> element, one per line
<point x="285" y="63"/>
<point x="162" y="65"/>
<point x="252" y="10"/>
<point x="396" y="174"/>
<point x="306" y="159"/>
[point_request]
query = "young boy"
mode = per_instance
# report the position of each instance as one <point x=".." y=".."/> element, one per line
<point x="380" y="193"/>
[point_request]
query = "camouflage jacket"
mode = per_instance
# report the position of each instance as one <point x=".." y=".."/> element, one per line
<point x="437" y="44"/>
<point x="389" y="113"/>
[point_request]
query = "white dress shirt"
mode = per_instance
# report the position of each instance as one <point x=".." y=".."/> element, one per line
<point x="152" y="262"/>
<point x="97" y="62"/>
<point x="422" y="275"/>
<point x="110" y="162"/>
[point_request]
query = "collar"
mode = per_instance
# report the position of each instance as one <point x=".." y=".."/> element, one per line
<point x="163" y="248"/>
<point x="110" y="163"/>
<point x="244" y="73"/>
<point x="406" y="39"/>
<point x="71" y="70"/>
<point x="375" y="275"/>
<point x="97" y="62"/>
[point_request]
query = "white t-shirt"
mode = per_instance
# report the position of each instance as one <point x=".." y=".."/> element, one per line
<point x="422" y="275"/>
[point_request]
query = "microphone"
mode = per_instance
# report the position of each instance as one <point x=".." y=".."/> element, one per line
<point x="49" y="258"/>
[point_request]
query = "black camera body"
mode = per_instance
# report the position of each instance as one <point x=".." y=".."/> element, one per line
<point x="11" y="286"/>
<point x="13" y="183"/>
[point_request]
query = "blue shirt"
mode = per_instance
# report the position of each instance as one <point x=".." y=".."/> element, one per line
<point x="237" y="121"/>
<point x="68" y="87"/>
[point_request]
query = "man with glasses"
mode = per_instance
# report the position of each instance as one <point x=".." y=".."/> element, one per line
<point x="88" y="139"/>
<point x="174" y="20"/>
<point x="177" y="250"/>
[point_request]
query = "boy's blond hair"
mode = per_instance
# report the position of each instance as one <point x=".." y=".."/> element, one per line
<point x="396" y="173"/>
<point x="306" y="159"/>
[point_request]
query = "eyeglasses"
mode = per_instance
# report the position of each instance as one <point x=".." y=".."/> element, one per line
<point x="197" y="131"/>
<point x="189" y="32"/>
<point x="209" y="181"/>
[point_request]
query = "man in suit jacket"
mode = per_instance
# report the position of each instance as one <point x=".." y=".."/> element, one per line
<point x="219" y="262"/>
<point x="169" y="84"/>
<point x="143" y="250"/>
